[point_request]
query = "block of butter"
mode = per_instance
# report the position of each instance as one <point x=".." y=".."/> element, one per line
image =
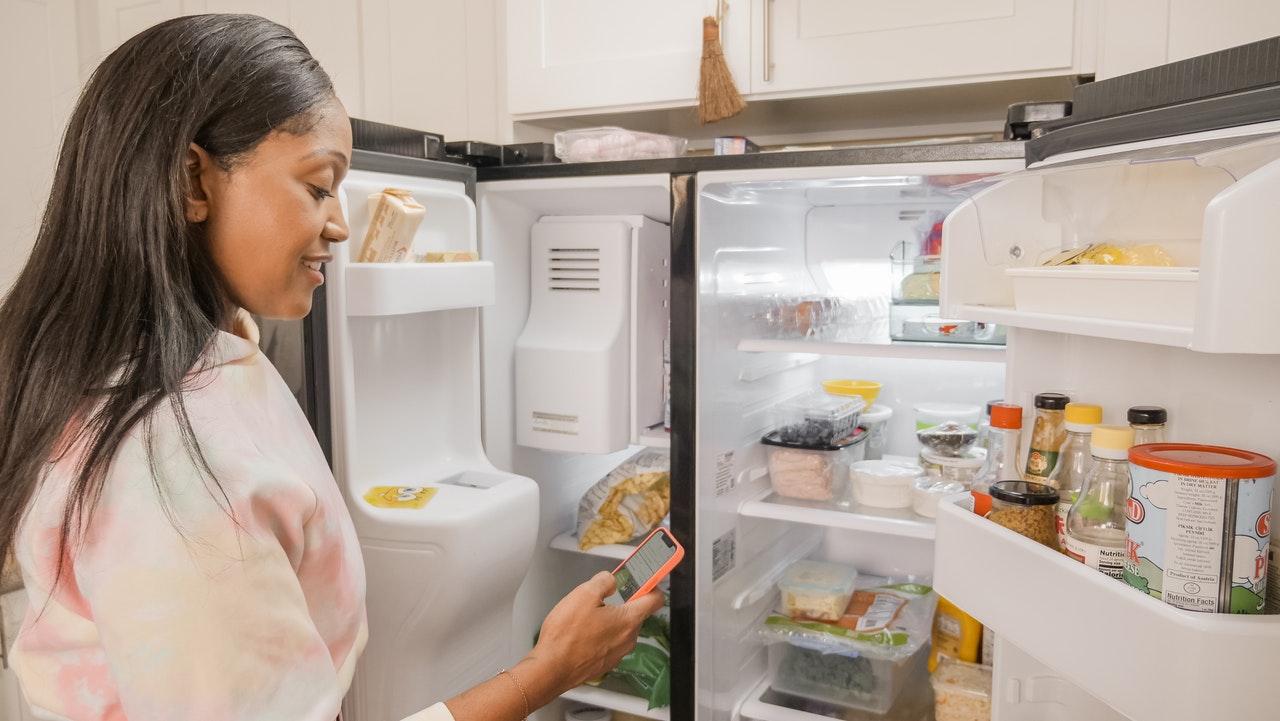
<point x="449" y="256"/>
<point x="395" y="218"/>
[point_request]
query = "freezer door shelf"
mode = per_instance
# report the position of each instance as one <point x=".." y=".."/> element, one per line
<point x="887" y="521"/>
<point x="380" y="289"/>
<point x="1141" y="657"/>
<point x="616" y="701"/>
<point x="896" y="349"/>
<point x="569" y="542"/>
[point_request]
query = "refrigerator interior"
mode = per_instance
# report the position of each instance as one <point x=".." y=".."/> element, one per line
<point x="1193" y="339"/>
<point x="769" y="241"/>
<point x="507" y="211"/>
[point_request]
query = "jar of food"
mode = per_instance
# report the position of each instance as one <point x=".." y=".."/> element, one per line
<point x="1048" y="432"/>
<point x="1027" y="508"/>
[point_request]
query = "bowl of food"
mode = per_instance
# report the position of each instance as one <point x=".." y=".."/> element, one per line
<point x="948" y="438"/>
<point x="868" y="390"/>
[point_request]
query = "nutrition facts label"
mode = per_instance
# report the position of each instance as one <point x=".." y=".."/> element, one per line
<point x="1193" y="543"/>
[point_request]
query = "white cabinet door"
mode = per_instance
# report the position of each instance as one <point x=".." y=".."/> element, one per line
<point x="819" y="45"/>
<point x="576" y="55"/>
<point x="39" y="80"/>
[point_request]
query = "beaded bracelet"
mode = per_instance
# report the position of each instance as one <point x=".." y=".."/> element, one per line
<point x="523" y="696"/>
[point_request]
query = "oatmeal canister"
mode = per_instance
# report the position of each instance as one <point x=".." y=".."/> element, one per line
<point x="1198" y="526"/>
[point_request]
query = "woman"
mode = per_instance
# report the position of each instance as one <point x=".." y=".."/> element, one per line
<point x="186" y="553"/>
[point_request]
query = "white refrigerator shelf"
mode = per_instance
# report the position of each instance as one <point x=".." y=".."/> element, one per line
<point x="380" y="289"/>
<point x="569" y="542"/>
<point x="616" y="701"/>
<point x="1199" y="665"/>
<point x="896" y="349"/>
<point x="887" y="521"/>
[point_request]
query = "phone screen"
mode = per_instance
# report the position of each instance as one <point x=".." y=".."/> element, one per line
<point x="647" y="560"/>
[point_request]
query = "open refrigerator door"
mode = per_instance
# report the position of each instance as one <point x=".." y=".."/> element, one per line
<point x="798" y="271"/>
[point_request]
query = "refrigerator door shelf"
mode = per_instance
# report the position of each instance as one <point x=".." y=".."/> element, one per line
<point x="1221" y="665"/>
<point x="569" y="542"/>
<point x="375" y="289"/>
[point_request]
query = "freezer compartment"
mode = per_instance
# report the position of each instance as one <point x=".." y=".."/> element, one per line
<point x="858" y="681"/>
<point x="1205" y="202"/>
<point x="1205" y="665"/>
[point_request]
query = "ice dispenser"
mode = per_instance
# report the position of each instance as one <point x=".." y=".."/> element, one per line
<point x="589" y="360"/>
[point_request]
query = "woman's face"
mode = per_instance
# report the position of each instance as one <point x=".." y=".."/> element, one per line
<point x="270" y="219"/>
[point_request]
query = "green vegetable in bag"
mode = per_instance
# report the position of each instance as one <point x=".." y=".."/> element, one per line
<point x="647" y="670"/>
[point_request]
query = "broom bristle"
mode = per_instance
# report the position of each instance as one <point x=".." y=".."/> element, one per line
<point x="718" y="97"/>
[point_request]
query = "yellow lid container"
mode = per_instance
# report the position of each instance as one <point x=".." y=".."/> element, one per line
<point x="869" y="390"/>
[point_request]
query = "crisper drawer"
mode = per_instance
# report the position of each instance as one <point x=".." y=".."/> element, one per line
<point x="1147" y="660"/>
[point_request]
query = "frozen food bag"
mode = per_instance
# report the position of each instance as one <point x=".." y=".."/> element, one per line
<point x="628" y="503"/>
<point x="888" y="621"/>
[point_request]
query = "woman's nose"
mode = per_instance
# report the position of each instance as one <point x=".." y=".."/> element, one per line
<point x="336" y="230"/>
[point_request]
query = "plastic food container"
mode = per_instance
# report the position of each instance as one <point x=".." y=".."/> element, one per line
<point x="859" y="678"/>
<point x="948" y="438"/>
<point x="883" y="484"/>
<point x="961" y="691"/>
<point x="876" y="420"/>
<point x="867" y="390"/>
<point x="610" y="143"/>
<point x="817" y="590"/>
<point x="813" y="472"/>
<point x="817" y="418"/>
<point x="1027" y="508"/>
<point x="926" y="491"/>
<point x="931" y="414"/>
<point x="946" y="468"/>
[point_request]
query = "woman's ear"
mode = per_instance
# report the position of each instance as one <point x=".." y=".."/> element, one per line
<point x="199" y="164"/>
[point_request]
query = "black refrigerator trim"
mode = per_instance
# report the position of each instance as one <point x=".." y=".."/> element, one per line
<point x="315" y="365"/>
<point x="684" y="333"/>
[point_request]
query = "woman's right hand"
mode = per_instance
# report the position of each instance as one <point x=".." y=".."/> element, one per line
<point x="582" y="637"/>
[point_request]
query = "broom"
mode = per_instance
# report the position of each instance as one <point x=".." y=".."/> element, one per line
<point x="718" y="97"/>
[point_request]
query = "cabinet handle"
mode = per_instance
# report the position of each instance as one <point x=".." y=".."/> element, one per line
<point x="768" y="44"/>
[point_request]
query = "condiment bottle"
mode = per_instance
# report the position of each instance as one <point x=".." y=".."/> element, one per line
<point x="1074" y="461"/>
<point x="1147" y="423"/>
<point x="1095" y="523"/>
<point x="1048" y="432"/>
<point x="1025" y="507"/>
<point x="1003" y="446"/>
<point x="984" y="426"/>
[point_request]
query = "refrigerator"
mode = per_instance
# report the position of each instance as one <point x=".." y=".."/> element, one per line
<point x="777" y="272"/>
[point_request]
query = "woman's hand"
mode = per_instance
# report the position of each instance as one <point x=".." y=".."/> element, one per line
<point x="582" y="637"/>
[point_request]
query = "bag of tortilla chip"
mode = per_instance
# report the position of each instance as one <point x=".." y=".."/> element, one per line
<point x="628" y="503"/>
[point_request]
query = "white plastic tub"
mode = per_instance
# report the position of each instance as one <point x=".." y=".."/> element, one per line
<point x="1120" y="293"/>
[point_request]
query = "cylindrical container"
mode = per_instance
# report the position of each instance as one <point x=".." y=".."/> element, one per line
<point x="926" y="491"/>
<point x="947" y="468"/>
<point x="1199" y="523"/>
<point x="1147" y="423"/>
<point x="1026" y="508"/>
<point x="883" y="484"/>
<point x="876" y="420"/>
<point x="1048" y="431"/>
<point x="931" y="414"/>
<point x="984" y="425"/>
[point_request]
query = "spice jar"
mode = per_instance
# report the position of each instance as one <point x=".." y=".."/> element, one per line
<point x="1027" y="508"/>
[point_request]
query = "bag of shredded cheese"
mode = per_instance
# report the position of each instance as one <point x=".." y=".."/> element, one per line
<point x="628" y="503"/>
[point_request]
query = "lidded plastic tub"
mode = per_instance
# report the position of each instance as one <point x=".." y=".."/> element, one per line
<point x="817" y="590"/>
<point x="813" y="472"/>
<point x="883" y="483"/>
<point x="817" y="418"/>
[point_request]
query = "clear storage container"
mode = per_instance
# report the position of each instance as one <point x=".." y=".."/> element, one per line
<point x="817" y="418"/>
<point x="842" y="675"/>
<point x="816" y="589"/>
<point x="813" y="472"/>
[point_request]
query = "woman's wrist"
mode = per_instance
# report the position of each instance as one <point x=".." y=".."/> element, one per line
<point x="542" y="682"/>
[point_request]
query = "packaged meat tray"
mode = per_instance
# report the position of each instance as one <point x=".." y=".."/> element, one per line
<point x="813" y="472"/>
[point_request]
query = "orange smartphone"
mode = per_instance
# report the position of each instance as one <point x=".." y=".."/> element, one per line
<point x="652" y="560"/>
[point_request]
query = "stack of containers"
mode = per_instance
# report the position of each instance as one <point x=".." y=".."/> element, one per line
<point x="816" y="440"/>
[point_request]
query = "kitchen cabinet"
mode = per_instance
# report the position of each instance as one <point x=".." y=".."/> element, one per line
<point x="428" y="65"/>
<point x="1139" y="34"/>
<point x="817" y="46"/>
<point x="573" y="55"/>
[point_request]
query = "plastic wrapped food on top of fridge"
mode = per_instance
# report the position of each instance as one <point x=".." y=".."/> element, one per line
<point x="587" y="145"/>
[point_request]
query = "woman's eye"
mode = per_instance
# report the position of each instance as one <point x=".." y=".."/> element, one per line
<point x="320" y="193"/>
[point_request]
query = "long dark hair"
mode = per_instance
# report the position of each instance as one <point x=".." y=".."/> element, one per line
<point x="120" y="297"/>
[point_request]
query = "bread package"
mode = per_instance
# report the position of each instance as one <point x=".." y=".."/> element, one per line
<point x="395" y="218"/>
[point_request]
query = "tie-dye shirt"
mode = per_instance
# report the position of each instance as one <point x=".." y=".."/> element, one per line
<point x="181" y="609"/>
